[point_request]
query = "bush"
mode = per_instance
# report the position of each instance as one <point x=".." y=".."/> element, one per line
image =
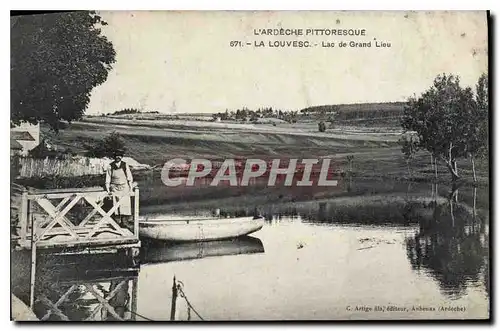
<point x="107" y="146"/>
<point x="43" y="150"/>
<point x="321" y="126"/>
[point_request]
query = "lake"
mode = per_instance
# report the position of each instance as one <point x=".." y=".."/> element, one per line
<point x="385" y="256"/>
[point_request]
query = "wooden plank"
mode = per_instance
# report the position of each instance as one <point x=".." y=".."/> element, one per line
<point x="106" y="219"/>
<point x="136" y="212"/>
<point x="35" y="191"/>
<point x="32" y="275"/>
<point x="133" y="308"/>
<point x="59" y="302"/>
<point x="90" y="215"/>
<point x="59" y="219"/>
<point x="23" y="216"/>
<point x="60" y="195"/>
<point x="62" y="203"/>
<point x="51" y="211"/>
<point x="104" y="302"/>
<point x="56" y="310"/>
<point x="94" y="280"/>
<point x="91" y="242"/>
<point x="81" y="232"/>
<point x="98" y="308"/>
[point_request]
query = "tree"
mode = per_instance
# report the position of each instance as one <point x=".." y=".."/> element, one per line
<point x="56" y="61"/>
<point x="409" y="146"/>
<point x="441" y="118"/>
<point x="477" y="129"/>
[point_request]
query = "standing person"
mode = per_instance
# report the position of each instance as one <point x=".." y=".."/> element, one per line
<point x="119" y="182"/>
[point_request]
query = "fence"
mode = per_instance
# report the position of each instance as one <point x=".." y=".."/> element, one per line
<point x="77" y="166"/>
<point x="31" y="167"/>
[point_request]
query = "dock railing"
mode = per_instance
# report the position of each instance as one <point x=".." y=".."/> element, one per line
<point x="78" y="217"/>
<point x="71" y="217"/>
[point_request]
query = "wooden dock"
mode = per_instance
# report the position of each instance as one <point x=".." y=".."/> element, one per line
<point x="75" y="219"/>
<point x="99" y="299"/>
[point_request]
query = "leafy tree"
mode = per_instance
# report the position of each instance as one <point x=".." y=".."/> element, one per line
<point x="56" y="61"/>
<point x="441" y="118"/>
<point x="477" y="128"/>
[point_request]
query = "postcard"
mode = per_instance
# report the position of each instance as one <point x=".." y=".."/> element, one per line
<point x="250" y="166"/>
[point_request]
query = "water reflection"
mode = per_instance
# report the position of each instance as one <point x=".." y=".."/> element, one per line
<point x="84" y="288"/>
<point x="440" y="235"/>
<point x="451" y="246"/>
<point x="158" y="252"/>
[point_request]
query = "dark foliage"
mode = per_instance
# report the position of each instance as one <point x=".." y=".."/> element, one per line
<point x="107" y="146"/>
<point x="245" y="114"/>
<point x="126" y="111"/>
<point x="355" y="111"/>
<point x="56" y="61"/>
<point x="43" y="151"/>
<point x="450" y="121"/>
<point x="55" y="182"/>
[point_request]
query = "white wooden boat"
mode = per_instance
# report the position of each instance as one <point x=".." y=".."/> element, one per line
<point x="153" y="252"/>
<point x="187" y="228"/>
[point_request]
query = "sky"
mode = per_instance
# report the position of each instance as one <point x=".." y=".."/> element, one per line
<point x="182" y="62"/>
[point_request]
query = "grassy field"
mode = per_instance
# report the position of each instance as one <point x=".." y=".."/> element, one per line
<point x="377" y="158"/>
<point x="154" y="143"/>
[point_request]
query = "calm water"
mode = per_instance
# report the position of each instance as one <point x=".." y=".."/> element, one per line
<point x="335" y="259"/>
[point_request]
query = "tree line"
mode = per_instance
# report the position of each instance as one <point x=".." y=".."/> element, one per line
<point x="246" y="114"/>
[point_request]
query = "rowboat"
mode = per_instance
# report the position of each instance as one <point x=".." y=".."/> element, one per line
<point x="187" y="228"/>
<point x="159" y="252"/>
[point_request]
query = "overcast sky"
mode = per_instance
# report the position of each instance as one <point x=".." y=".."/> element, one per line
<point x="185" y="58"/>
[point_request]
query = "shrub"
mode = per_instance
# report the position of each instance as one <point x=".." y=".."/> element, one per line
<point x="107" y="146"/>
<point x="321" y="126"/>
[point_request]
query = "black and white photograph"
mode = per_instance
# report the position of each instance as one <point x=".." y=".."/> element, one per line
<point x="199" y="166"/>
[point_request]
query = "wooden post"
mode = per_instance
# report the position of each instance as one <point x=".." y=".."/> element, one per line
<point x="23" y="216"/>
<point x="33" y="266"/>
<point x="136" y="212"/>
<point x="474" y="213"/>
<point x="134" y="299"/>
<point x="174" y="300"/>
